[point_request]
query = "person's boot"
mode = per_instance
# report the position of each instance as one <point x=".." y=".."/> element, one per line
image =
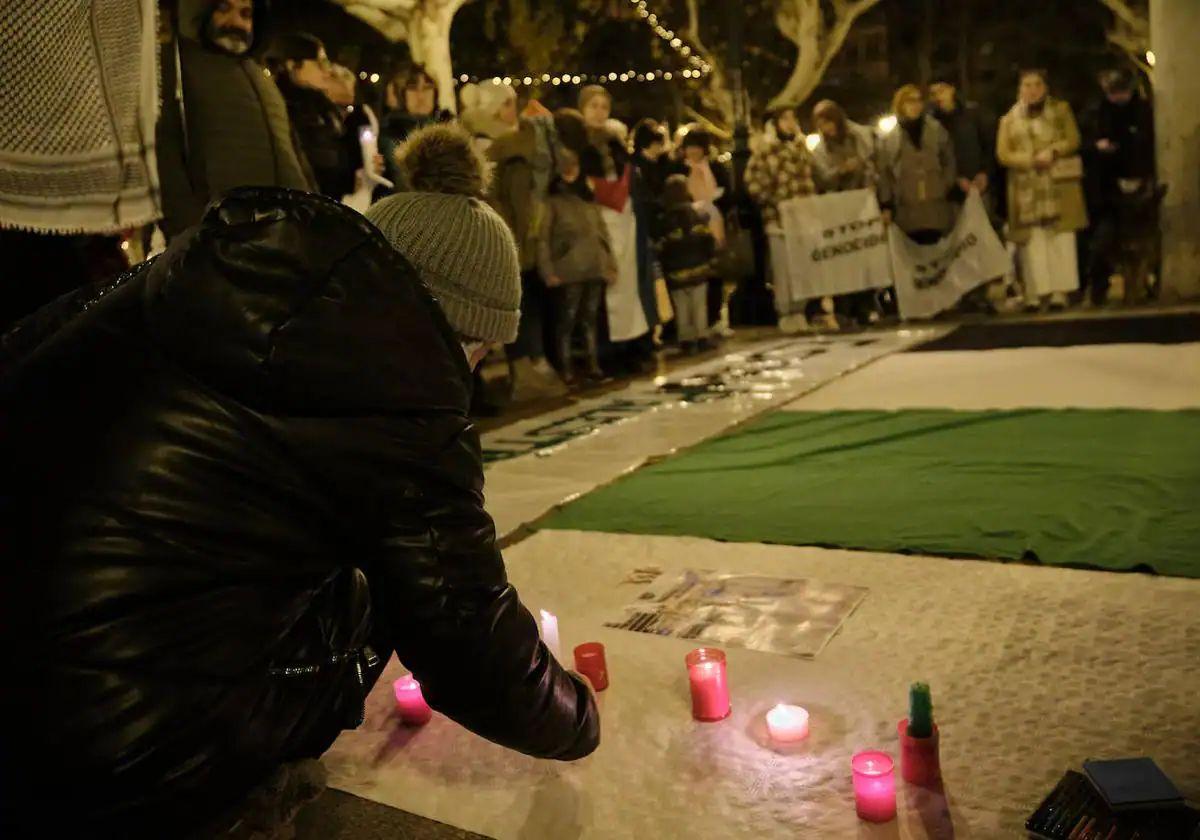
<point x="531" y="384"/>
<point x="793" y="324"/>
<point x="1058" y="301"/>
<point x="550" y="378"/>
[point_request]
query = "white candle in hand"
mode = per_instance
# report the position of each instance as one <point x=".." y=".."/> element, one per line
<point x="550" y="633"/>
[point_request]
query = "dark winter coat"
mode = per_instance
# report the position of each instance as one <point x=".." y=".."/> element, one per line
<point x="651" y="178"/>
<point x="333" y="152"/>
<point x="1130" y="128"/>
<point x="231" y="128"/>
<point x="573" y="242"/>
<point x="973" y="136"/>
<point x="687" y="249"/>
<point x="246" y="477"/>
<point x="514" y="189"/>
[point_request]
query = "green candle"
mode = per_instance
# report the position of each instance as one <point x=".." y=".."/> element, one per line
<point x="920" y="711"/>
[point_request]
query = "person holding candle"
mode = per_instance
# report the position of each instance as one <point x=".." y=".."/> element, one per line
<point x="246" y="477"/>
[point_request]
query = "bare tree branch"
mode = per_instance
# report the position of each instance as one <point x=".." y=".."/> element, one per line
<point x="717" y="95"/>
<point x="424" y="25"/>
<point x="1130" y="31"/>
<point x="1127" y="14"/>
<point x="803" y="23"/>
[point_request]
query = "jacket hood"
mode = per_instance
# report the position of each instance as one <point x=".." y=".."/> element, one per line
<point x="293" y="303"/>
<point x="193" y="14"/>
<point x="521" y="143"/>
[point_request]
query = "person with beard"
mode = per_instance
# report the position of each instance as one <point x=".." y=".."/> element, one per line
<point x="1038" y="142"/>
<point x="917" y="170"/>
<point x="304" y="74"/>
<point x="224" y="123"/>
<point x="779" y="169"/>
<point x="1119" y="151"/>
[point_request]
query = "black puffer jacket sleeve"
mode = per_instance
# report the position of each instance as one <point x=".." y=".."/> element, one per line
<point x="460" y="627"/>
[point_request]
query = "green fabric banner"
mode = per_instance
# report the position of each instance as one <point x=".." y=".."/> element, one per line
<point x="1110" y="489"/>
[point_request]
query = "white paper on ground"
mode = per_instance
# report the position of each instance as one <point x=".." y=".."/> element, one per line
<point x="1144" y="376"/>
<point x="563" y="454"/>
<point x="786" y="616"/>
<point x="1032" y="669"/>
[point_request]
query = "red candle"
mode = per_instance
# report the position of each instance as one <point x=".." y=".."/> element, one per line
<point x="414" y="711"/>
<point x="710" y="688"/>
<point x="874" y="786"/>
<point x="589" y="661"/>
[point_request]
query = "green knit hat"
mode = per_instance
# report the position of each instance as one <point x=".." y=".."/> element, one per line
<point x="460" y="246"/>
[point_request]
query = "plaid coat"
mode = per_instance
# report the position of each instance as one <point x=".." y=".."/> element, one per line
<point x="779" y="170"/>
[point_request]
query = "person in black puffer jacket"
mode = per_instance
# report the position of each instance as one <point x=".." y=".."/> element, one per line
<point x="302" y="71"/>
<point x="239" y="480"/>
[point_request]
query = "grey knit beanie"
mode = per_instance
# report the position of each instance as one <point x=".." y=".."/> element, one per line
<point x="460" y="246"/>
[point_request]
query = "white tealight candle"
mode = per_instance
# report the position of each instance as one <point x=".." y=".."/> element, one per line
<point x="550" y="634"/>
<point x="787" y="723"/>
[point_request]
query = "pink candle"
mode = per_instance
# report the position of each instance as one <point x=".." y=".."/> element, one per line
<point x="414" y="711"/>
<point x="710" y="688"/>
<point x="787" y="723"/>
<point x="874" y="786"/>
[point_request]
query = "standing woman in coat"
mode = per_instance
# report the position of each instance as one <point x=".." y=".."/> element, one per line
<point x="916" y="170"/>
<point x="1038" y="142"/>
<point x="630" y="304"/>
<point x="303" y="73"/>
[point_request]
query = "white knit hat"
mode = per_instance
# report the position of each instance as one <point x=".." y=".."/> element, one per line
<point x="461" y="248"/>
<point x="481" y="104"/>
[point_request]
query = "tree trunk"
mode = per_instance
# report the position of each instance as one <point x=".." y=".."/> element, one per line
<point x="925" y="45"/>
<point x="964" y="48"/>
<point x="429" y="42"/>
<point x="806" y="73"/>
<point x="1173" y="26"/>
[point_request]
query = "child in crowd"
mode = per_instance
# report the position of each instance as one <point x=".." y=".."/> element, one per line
<point x="687" y="250"/>
<point x="575" y="258"/>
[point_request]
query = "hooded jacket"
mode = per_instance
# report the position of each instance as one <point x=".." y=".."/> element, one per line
<point x="514" y="191"/>
<point x="247" y="477"/>
<point x="224" y="123"/>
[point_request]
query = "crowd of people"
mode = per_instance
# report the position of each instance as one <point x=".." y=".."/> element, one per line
<point x="629" y="237"/>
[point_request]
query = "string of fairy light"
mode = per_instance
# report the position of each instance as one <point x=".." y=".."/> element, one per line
<point x="696" y="68"/>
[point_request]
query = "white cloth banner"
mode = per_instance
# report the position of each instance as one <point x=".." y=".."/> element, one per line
<point x="932" y="278"/>
<point x="835" y="245"/>
<point x="626" y="318"/>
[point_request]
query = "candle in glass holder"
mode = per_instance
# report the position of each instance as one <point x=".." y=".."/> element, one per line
<point x="710" y="688"/>
<point x="550" y="634"/>
<point x="874" y="786"/>
<point x="414" y="711"/>
<point x="787" y="723"/>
